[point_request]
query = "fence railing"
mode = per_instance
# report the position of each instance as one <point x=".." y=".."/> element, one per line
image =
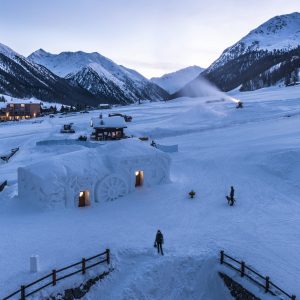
<point x="246" y="271"/>
<point x="56" y="275"/>
<point x="2" y="185"/>
<point x="7" y="157"/>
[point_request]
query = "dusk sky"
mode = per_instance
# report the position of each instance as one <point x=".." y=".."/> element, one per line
<point x="152" y="36"/>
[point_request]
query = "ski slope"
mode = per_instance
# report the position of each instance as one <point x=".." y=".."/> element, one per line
<point x="255" y="149"/>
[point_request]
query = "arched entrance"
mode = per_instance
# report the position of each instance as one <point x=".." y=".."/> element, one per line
<point x="84" y="198"/>
<point x="139" y="178"/>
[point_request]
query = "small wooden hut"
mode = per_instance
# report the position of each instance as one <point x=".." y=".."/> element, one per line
<point x="108" y="128"/>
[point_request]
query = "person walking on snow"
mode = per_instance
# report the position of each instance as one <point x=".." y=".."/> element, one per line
<point x="159" y="240"/>
<point x="231" y="197"/>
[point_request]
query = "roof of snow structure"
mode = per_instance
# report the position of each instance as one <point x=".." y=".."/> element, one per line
<point x="90" y="159"/>
<point x="129" y="148"/>
<point x="110" y="122"/>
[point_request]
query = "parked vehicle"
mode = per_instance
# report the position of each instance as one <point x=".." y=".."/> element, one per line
<point x="67" y="128"/>
<point x="126" y="117"/>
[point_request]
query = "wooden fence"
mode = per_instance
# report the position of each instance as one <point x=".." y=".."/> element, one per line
<point x="55" y="276"/>
<point x="7" y="157"/>
<point x="246" y="271"/>
<point x="2" y="185"/>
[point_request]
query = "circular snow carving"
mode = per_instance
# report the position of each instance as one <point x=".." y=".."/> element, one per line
<point x="110" y="188"/>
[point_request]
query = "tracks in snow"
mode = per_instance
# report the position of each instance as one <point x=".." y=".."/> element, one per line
<point x="149" y="276"/>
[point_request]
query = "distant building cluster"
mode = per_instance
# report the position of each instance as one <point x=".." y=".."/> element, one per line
<point x="19" y="111"/>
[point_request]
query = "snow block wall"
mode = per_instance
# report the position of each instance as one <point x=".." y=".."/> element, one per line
<point x="104" y="173"/>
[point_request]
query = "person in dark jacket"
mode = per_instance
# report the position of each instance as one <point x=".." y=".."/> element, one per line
<point x="231" y="196"/>
<point x="159" y="240"/>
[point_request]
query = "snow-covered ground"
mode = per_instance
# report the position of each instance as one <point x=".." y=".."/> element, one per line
<point x="255" y="149"/>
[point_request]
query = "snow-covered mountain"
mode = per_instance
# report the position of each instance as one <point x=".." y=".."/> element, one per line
<point x="267" y="55"/>
<point x="7" y="51"/>
<point x="279" y="33"/>
<point x="172" y="82"/>
<point x="22" y="78"/>
<point x="99" y="76"/>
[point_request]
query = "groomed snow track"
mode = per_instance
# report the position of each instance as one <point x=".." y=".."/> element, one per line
<point x="150" y="276"/>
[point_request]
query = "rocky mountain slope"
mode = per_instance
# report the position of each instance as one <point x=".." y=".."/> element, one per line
<point x="266" y="56"/>
<point x="100" y="76"/>
<point x="24" y="79"/>
<point x="172" y="82"/>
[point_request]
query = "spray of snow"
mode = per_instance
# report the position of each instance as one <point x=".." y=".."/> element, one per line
<point x="201" y="87"/>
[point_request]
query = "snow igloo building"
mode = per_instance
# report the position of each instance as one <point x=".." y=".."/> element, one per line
<point x="89" y="176"/>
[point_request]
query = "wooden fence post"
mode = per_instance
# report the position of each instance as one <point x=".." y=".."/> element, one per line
<point x="83" y="265"/>
<point x="221" y="257"/>
<point x="53" y="277"/>
<point x="242" y="269"/>
<point x="108" y="256"/>
<point x="23" y="292"/>
<point x="267" y="287"/>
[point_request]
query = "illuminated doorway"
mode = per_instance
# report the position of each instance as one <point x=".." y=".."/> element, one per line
<point x="84" y="199"/>
<point x="139" y="178"/>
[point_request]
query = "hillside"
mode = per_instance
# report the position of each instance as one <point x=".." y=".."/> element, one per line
<point x="24" y="79"/>
<point x="172" y="82"/>
<point x="100" y="76"/>
<point x="268" y="55"/>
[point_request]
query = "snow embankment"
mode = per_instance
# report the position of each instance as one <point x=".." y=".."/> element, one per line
<point x="148" y="276"/>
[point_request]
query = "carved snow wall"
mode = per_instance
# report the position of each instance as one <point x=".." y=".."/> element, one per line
<point x="105" y="173"/>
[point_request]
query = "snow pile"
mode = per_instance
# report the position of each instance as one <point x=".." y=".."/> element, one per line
<point x="197" y="116"/>
<point x="106" y="173"/>
<point x="284" y="164"/>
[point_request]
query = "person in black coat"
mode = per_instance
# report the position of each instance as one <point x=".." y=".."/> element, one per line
<point x="159" y="240"/>
<point x="231" y="196"/>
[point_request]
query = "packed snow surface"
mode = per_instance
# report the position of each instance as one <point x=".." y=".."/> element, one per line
<point x="256" y="149"/>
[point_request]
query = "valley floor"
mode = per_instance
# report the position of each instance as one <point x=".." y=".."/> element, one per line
<point x="255" y="149"/>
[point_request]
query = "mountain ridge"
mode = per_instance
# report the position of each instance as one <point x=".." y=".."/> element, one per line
<point x="172" y="82"/>
<point x="24" y="79"/>
<point x="267" y="55"/>
<point x="115" y="80"/>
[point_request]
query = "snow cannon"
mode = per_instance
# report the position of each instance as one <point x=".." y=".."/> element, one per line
<point x="239" y="104"/>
